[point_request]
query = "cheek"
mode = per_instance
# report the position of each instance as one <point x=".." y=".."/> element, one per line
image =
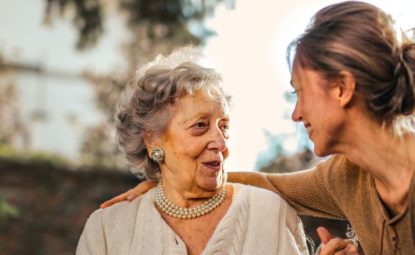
<point x="190" y="150"/>
<point x="185" y="158"/>
<point x="318" y="104"/>
<point x="191" y="147"/>
<point x="226" y="153"/>
<point x="333" y="127"/>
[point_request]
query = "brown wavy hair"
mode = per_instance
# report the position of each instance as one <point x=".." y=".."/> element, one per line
<point x="360" y="38"/>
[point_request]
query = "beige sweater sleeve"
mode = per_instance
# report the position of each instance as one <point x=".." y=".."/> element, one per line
<point x="295" y="242"/>
<point x="109" y="231"/>
<point x="92" y="240"/>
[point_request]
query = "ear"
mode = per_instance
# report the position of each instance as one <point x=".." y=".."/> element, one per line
<point x="346" y="88"/>
<point x="149" y="141"/>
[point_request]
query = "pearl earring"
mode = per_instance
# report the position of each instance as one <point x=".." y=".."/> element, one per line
<point x="157" y="155"/>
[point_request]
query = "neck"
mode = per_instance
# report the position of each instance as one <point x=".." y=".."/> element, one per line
<point x="186" y="196"/>
<point x="171" y="209"/>
<point x="388" y="158"/>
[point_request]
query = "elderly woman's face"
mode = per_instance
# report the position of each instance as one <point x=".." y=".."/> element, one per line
<point x="195" y="143"/>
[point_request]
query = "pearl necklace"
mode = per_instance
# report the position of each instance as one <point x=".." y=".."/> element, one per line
<point x="188" y="213"/>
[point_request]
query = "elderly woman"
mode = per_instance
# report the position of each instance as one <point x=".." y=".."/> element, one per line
<point x="355" y="83"/>
<point x="173" y="126"/>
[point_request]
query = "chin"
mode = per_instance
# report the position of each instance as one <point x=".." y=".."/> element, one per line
<point x="320" y="154"/>
<point x="324" y="151"/>
<point x="211" y="184"/>
<point x="321" y="151"/>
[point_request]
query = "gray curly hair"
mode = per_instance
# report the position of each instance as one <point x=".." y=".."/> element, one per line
<point x="146" y="104"/>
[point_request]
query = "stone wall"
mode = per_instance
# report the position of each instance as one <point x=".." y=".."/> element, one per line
<point x="54" y="203"/>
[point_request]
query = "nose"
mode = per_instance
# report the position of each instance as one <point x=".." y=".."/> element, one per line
<point x="218" y="140"/>
<point x="296" y="115"/>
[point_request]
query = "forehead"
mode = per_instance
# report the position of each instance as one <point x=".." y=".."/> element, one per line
<point x="297" y="74"/>
<point x="199" y="105"/>
<point x="301" y="76"/>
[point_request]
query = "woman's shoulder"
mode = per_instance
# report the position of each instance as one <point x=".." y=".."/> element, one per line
<point x="123" y="211"/>
<point x="264" y="204"/>
<point x="340" y="168"/>
<point x="112" y="226"/>
<point x="338" y="161"/>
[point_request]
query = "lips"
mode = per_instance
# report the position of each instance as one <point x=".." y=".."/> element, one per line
<point x="213" y="164"/>
<point x="307" y="126"/>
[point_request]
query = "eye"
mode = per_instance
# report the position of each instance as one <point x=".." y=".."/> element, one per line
<point x="225" y="126"/>
<point x="201" y="124"/>
<point x="199" y="128"/>
<point x="225" y="129"/>
<point x="291" y="96"/>
<point x="295" y="91"/>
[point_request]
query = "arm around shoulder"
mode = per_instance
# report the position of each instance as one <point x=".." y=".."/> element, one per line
<point x="256" y="179"/>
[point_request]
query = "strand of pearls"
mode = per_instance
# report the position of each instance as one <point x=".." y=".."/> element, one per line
<point x="188" y="213"/>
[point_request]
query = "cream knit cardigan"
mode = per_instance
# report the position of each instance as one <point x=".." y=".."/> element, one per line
<point x="257" y="222"/>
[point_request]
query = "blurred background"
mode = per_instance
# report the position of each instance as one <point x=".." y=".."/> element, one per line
<point x="63" y="65"/>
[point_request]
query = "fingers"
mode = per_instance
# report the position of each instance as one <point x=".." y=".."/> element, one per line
<point x="335" y="246"/>
<point x="324" y="235"/>
<point x="338" y="246"/>
<point x="129" y="195"/>
<point x="351" y="249"/>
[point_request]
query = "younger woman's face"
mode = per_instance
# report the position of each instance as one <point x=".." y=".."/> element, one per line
<point x="318" y="109"/>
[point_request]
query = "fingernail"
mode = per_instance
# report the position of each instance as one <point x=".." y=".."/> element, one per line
<point x="130" y="197"/>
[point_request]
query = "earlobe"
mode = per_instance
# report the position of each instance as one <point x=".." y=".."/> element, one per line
<point x="148" y="141"/>
<point x="347" y="87"/>
<point x="151" y="141"/>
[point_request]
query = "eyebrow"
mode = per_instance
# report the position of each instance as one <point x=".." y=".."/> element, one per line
<point x="196" y="117"/>
<point x="202" y="115"/>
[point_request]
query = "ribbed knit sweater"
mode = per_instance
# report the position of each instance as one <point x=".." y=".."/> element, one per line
<point x="337" y="188"/>
<point x="257" y="222"/>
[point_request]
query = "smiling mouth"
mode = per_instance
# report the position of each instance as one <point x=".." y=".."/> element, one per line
<point x="213" y="164"/>
<point x="308" y="129"/>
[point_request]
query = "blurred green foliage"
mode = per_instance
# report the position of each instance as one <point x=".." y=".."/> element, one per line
<point x="275" y="159"/>
<point x="89" y="16"/>
<point x="7" y="211"/>
<point x="7" y="151"/>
